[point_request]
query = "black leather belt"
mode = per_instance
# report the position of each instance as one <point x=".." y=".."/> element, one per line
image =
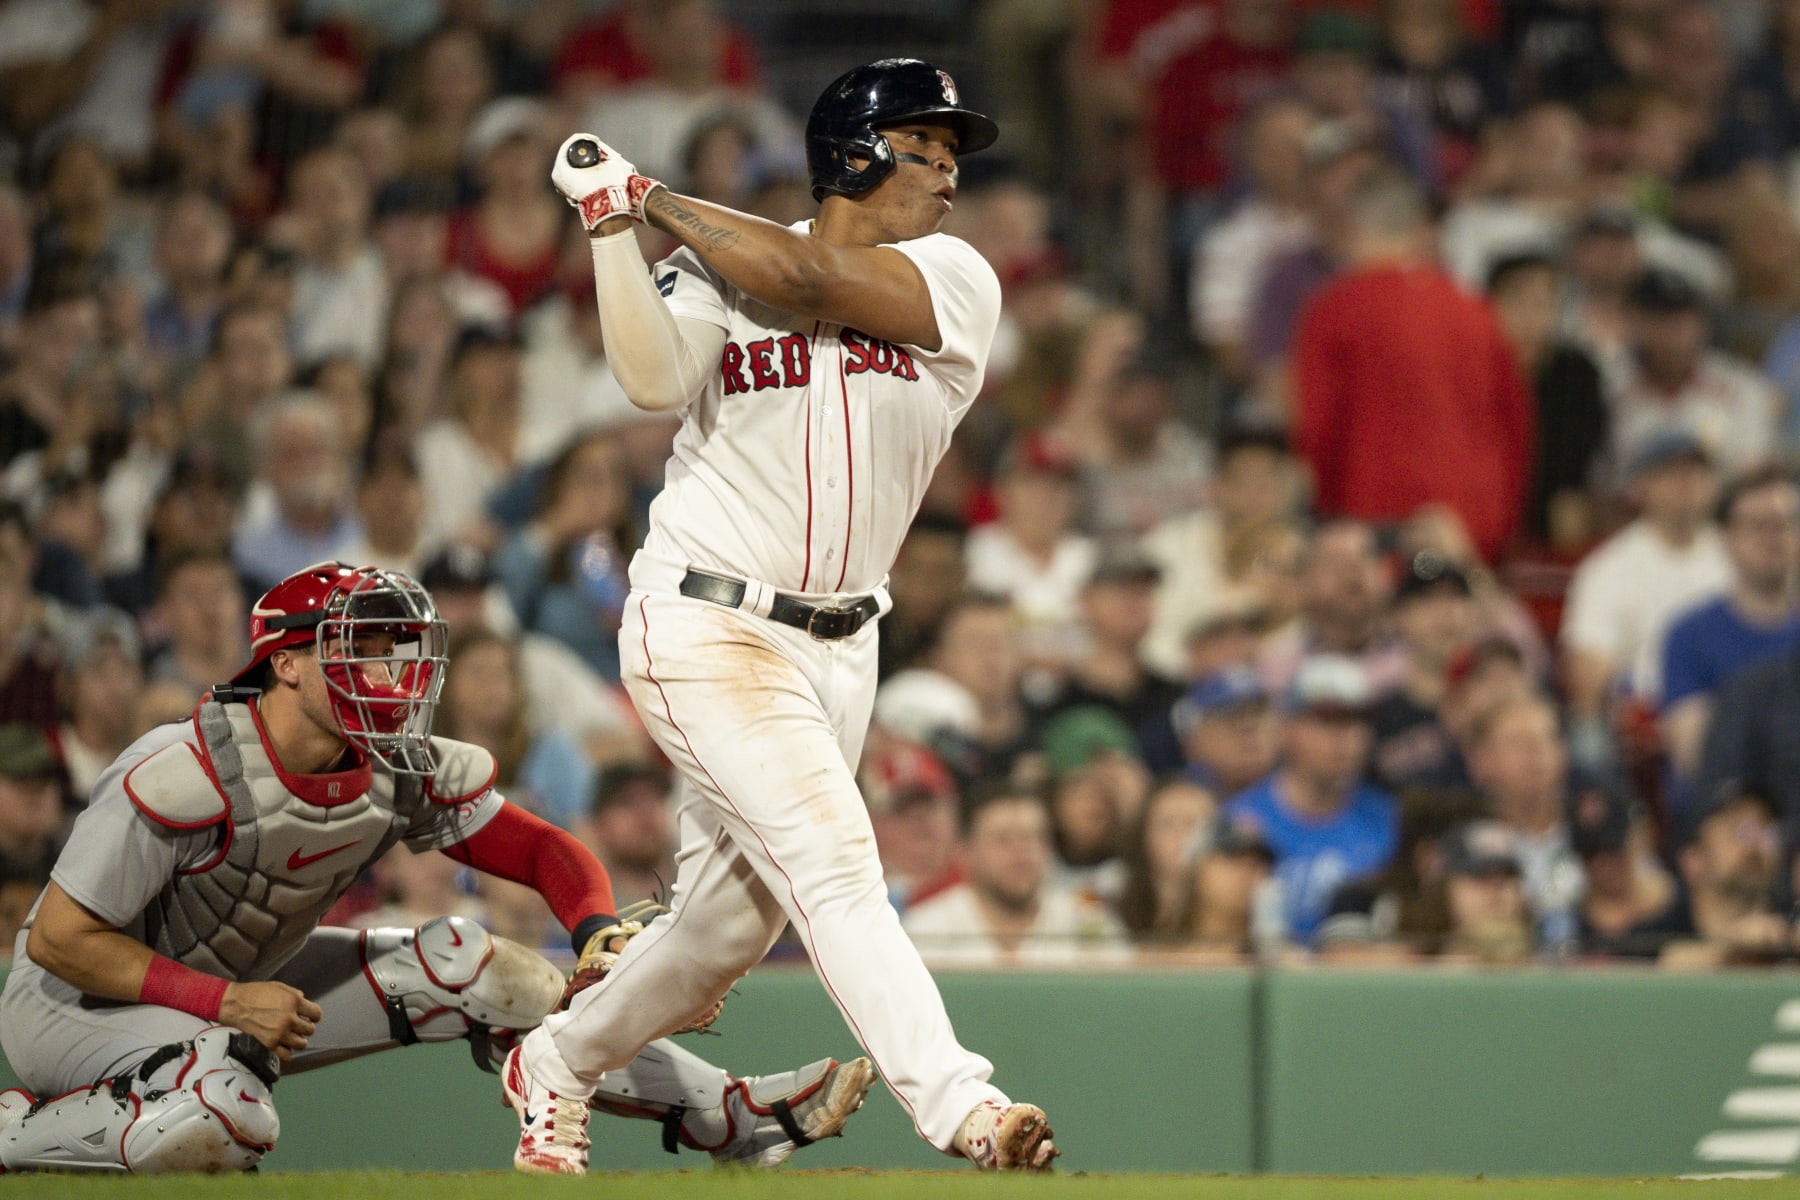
<point x="821" y="621"/>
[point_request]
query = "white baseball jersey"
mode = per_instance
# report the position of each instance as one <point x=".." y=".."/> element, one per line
<point x="805" y="460"/>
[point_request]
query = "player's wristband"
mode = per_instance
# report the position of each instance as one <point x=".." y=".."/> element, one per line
<point x="170" y="985"/>
<point x="586" y="928"/>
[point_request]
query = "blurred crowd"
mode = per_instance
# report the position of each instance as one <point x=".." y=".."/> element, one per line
<point x="1377" y="539"/>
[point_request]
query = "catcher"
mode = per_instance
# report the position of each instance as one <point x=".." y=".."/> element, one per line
<point x="174" y="967"/>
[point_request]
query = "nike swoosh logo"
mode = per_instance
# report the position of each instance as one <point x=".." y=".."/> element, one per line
<point x="247" y="1098"/>
<point x="530" y="1117"/>
<point x="455" y="937"/>
<point x="296" y="860"/>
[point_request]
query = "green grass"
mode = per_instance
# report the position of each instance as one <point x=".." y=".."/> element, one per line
<point x="866" y="1185"/>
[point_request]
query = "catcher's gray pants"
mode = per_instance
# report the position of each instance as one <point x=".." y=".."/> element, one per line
<point x="56" y="1038"/>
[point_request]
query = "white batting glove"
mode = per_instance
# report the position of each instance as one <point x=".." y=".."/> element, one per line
<point x="599" y="181"/>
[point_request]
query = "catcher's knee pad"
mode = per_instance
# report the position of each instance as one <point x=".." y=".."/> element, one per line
<point x="203" y="1105"/>
<point x="450" y="975"/>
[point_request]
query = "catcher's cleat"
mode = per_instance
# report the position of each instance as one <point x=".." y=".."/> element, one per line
<point x="768" y="1117"/>
<point x="553" y="1137"/>
<point x="1007" y="1137"/>
<point x="14" y="1104"/>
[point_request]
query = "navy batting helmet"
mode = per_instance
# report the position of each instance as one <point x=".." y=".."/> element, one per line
<point x="889" y="92"/>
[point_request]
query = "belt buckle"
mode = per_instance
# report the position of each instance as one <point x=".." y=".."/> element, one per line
<point x="832" y="616"/>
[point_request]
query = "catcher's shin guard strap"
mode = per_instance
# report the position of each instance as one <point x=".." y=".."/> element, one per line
<point x="671" y="1125"/>
<point x="784" y="1117"/>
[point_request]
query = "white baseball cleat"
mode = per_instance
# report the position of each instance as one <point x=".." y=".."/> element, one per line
<point x="14" y="1104"/>
<point x="768" y="1117"/>
<point x="1007" y="1137"/>
<point x="553" y="1138"/>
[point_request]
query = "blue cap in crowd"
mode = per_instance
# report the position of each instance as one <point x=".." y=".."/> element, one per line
<point x="1235" y="687"/>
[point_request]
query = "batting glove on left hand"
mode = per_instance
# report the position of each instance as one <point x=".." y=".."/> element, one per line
<point x="599" y="181"/>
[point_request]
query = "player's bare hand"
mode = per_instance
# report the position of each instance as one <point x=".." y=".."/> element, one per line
<point x="278" y="1016"/>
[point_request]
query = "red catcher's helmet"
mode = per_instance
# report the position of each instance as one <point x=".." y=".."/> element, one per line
<point x="384" y="701"/>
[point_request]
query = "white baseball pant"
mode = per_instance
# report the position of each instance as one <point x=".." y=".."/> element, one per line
<point x="765" y="724"/>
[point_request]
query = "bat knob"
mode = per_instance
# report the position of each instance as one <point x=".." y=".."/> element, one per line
<point x="584" y="153"/>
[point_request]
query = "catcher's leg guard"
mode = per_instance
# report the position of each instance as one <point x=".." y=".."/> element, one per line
<point x="203" y="1105"/>
<point x="450" y="977"/>
<point x="758" y="1121"/>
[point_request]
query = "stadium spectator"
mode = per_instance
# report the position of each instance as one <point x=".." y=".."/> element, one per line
<point x="59" y="339"/>
<point x="341" y="290"/>
<point x="1115" y="615"/>
<point x="561" y="691"/>
<point x="1406" y="390"/>
<point x="1339" y="158"/>
<point x="1141" y="465"/>
<point x="1677" y="383"/>
<point x="452" y="78"/>
<point x="1428" y="64"/>
<point x="630" y="827"/>
<point x="1725" y="912"/>
<point x="103" y="672"/>
<point x="1756" y="619"/>
<point x="484" y="703"/>
<point x="412" y="888"/>
<point x="1518" y="761"/>
<point x="927" y="576"/>
<point x="1229" y="729"/>
<point x="1235" y="891"/>
<point x="1344" y="589"/>
<point x="31" y="806"/>
<point x="1571" y="413"/>
<point x="28" y="649"/>
<point x="390" y="506"/>
<point x="1325" y="825"/>
<point x="1434" y="615"/>
<point x="1159" y="901"/>
<point x="1753" y="741"/>
<point x="1032" y="554"/>
<point x="189" y="509"/>
<point x="1398" y="914"/>
<point x="467" y="454"/>
<point x="201" y="611"/>
<point x="300" y="509"/>
<point x="1097" y="785"/>
<point x="1626" y="888"/>
<point x="249" y="366"/>
<point x="564" y="572"/>
<point x="657" y="113"/>
<point x="1257" y="484"/>
<point x="1631" y="586"/>
<point x="1524" y="194"/>
<point x="1487" y="918"/>
<point x="913" y="808"/>
<point x="512" y="235"/>
<point x="1009" y="912"/>
<point x="192" y="243"/>
<point x="1268" y="220"/>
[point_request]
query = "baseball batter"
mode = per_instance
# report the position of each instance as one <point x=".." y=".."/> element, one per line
<point x="820" y="371"/>
<point x="174" y="965"/>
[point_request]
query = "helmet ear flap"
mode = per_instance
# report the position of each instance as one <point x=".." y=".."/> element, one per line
<point x="848" y="180"/>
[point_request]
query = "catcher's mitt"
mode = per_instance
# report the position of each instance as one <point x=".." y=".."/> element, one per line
<point x="603" y="949"/>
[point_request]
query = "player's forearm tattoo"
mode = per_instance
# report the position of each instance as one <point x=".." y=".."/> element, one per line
<point x="689" y="225"/>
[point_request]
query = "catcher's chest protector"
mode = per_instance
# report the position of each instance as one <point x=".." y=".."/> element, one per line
<point x="284" y="860"/>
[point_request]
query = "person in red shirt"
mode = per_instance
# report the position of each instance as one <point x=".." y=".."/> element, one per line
<point x="612" y="49"/>
<point x="1407" y="392"/>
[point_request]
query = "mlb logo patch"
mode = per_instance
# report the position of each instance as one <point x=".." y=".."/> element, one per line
<point x="949" y="87"/>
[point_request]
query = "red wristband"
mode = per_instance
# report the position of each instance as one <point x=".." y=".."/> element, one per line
<point x="171" y="985"/>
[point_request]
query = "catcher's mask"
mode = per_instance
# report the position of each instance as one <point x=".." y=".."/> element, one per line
<point x="892" y="91"/>
<point x="380" y="644"/>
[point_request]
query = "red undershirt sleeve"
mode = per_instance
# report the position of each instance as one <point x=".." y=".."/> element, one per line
<point x="519" y="847"/>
